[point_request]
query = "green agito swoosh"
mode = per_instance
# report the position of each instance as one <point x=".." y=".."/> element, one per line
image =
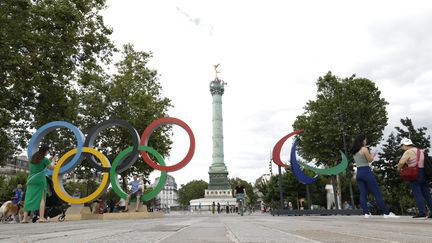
<point x="329" y="171"/>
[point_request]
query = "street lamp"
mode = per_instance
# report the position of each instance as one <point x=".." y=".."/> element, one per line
<point x="280" y="187"/>
<point x="271" y="167"/>
<point x="349" y="168"/>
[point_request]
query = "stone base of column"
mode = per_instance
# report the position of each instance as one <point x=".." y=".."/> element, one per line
<point x="219" y="181"/>
<point x="218" y="193"/>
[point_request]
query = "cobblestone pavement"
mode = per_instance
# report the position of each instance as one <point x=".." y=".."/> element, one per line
<point x="225" y="228"/>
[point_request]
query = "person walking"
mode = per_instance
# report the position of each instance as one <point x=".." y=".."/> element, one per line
<point x="262" y="207"/>
<point x="35" y="196"/>
<point x="240" y="193"/>
<point x="199" y="208"/>
<point x="366" y="181"/>
<point x="218" y="208"/>
<point x="329" y="194"/>
<point x="420" y="188"/>
<point x="213" y="207"/>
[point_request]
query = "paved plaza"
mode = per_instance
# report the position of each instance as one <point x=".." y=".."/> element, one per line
<point x="225" y="228"/>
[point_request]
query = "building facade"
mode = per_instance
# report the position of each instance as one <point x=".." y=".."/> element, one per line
<point x="14" y="165"/>
<point x="168" y="196"/>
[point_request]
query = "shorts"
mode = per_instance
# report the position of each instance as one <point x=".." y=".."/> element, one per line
<point x="136" y="194"/>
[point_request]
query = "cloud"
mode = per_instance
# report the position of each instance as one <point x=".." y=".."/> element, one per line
<point x="271" y="56"/>
<point x="400" y="62"/>
<point x="402" y="49"/>
<point x="196" y="21"/>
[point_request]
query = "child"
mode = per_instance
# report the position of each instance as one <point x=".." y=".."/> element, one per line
<point x="141" y="184"/>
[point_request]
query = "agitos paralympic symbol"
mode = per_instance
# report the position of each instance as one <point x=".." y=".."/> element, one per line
<point x="124" y="160"/>
<point x="295" y="165"/>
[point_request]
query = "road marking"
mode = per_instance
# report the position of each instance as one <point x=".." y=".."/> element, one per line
<point x="366" y="237"/>
<point x="174" y="232"/>
<point x="231" y="235"/>
<point x="290" y="234"/>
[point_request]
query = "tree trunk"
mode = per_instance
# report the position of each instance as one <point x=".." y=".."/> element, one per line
<point x="124" y="181"/>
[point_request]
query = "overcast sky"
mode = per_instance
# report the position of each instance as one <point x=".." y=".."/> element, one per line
<point x="271" y="54"/>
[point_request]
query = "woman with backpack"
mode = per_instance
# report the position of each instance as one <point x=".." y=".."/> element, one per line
<point x="415" y="157"/>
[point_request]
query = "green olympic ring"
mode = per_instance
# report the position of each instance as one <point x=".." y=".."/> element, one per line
<point x="114" y="180"/>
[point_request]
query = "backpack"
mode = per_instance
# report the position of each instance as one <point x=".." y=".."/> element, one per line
<point x="427" y="167"/>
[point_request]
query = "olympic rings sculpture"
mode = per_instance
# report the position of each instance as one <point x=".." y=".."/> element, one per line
<point x="123" y="161"/>
<point x="295" y="165"/>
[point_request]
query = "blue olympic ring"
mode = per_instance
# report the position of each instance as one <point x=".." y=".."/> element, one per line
<point x="49" y="127"/>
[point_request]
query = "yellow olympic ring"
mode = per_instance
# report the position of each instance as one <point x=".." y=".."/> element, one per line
<point x="58" y="185"/>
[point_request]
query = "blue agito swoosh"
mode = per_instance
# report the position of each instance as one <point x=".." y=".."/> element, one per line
<point x="295" y="167"/>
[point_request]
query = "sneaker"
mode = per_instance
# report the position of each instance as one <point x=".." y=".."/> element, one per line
<point x="419" y="216"/>
<point x="368" y="216"/>
<point x="391" y="216"/>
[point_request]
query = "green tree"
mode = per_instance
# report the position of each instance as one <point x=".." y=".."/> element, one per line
<point x="7" y="185"/>
<point x="192" y="190"/>
<point x="396" y="191"/>
<point x="51" y="51"/>
<point x="351" y="105"/>
<point x="251" y="196"/>
<point x="293" y="190"/>
<point x="261" y="186"/>
<point x="134" y="94"/>
<point x="46" y="47"/>
<point x="357" y="100"/>
<point x="84" y="187"/>
<point x="3" y="197"/>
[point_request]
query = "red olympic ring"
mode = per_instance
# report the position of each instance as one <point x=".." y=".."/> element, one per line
<point x="278" y="148"/>
<point x="151" y="128"/>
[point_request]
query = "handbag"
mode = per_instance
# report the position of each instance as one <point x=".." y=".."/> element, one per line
<point x="410" y="173"/>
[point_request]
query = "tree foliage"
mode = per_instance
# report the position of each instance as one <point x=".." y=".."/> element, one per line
<point x="192" y="190"/>
<point x="343" y="108"/>
<point x="45" y="47"/>
<point x="251" y="196"/>
<point x="293" y="190"/>
<point x="133" y="94"/>
<point x="354" y="103"/>
<point x="54" y="57"/>
<point x="8" y="185"/>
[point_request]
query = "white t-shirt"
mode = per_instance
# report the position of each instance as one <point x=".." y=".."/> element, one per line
<point x="122" y="202"/>
<point x="141" y="185"/>
<point x="329" y="188"/>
